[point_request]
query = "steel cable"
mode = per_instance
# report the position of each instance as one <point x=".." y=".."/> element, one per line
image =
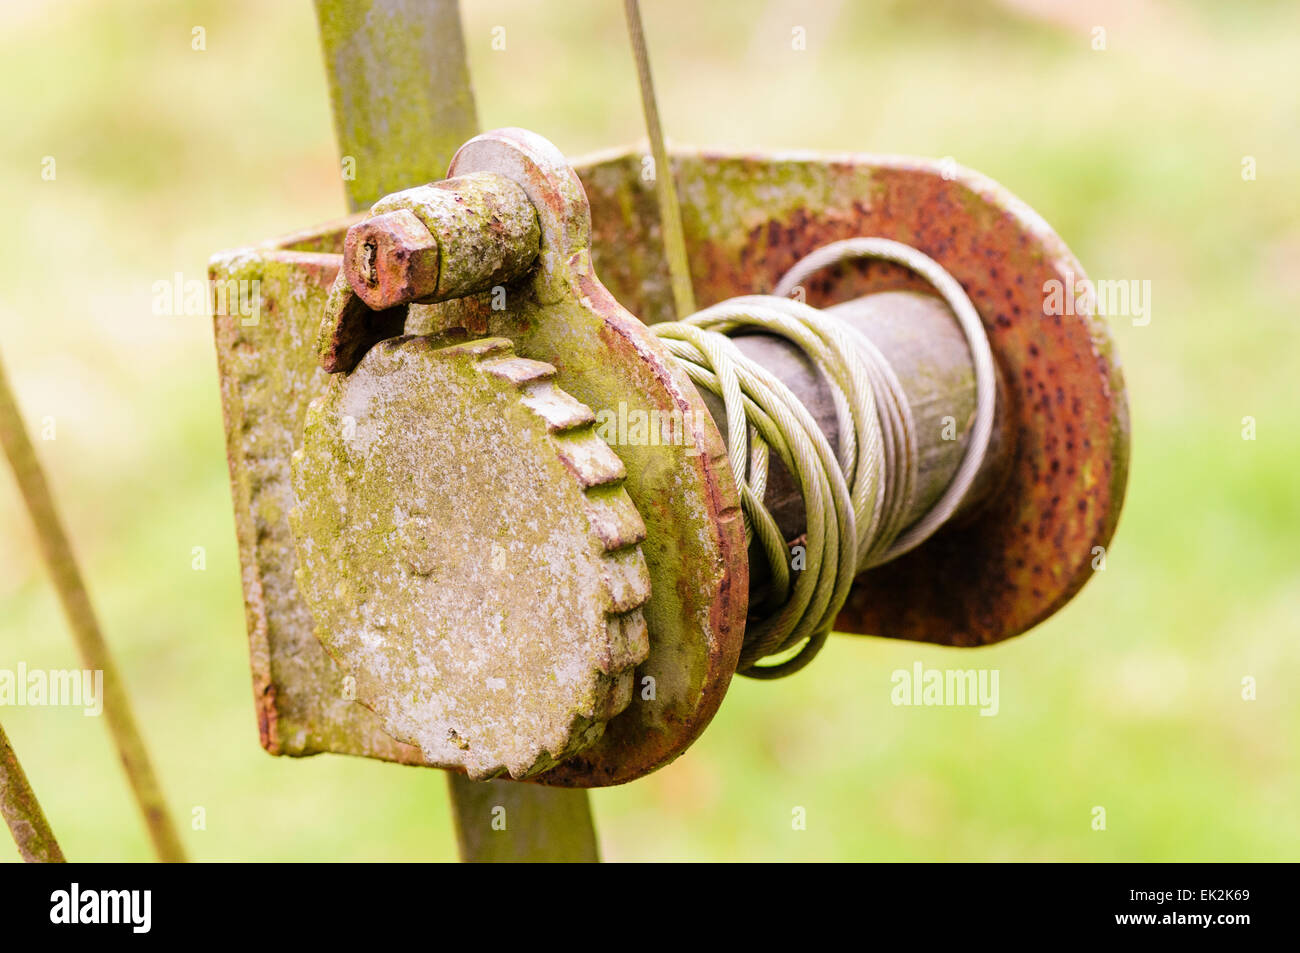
<point x="856" y="498"/>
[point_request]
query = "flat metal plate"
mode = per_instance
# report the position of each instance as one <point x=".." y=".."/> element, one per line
<point x="603" y="356"/>
<point x="747" y="219"/>
<point x="269" y="374"/>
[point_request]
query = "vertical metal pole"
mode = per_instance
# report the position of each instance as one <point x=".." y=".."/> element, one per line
<point x="400" y="89"/>
<point x="510" y="821"/>
<point x="399" y="84"/>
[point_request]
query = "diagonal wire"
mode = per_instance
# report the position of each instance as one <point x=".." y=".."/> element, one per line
<point x="670" y="213"/>
<point x="95" y="655"/>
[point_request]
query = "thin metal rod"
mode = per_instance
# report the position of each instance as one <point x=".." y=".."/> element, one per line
<point x="670" y="213"/>
<point x="22" y="811"/>
<point x="95" y="655"/>
<point x="402" y="100"/>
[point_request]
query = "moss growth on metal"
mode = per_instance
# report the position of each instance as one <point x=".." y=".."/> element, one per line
<point x="396" y="127"/>
<point x="469" y="555"/>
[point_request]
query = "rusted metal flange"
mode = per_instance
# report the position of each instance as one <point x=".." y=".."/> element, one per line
<point x="552" y="307"/>
<point x="1035" y="542"/>
<point x="270" y="365"/>
<point x="682" y="485"/>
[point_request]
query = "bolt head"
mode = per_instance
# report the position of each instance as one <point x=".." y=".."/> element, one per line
<point x="391" y="259"/>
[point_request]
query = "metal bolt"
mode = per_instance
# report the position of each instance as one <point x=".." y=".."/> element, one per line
<point x="441" y="241"/>
<point x="391" y="259"/>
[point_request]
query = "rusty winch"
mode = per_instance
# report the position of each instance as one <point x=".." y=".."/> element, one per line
<point x="509" y="505"/>
<point x="489" y="524"/>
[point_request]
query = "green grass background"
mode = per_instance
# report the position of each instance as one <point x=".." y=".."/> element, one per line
<point x="1130" y="698"/>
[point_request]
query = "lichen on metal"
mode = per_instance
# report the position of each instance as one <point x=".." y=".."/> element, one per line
<point x="469" y="554"/>
<point x="485" y="230"/>
<point x="682" y="487"/>
<point x="561" y="314"/>
<point x="22" y="811"/>
<point x="399" y="84"/>
<point x="998" y="572"/>
<point x="746" y="219"/>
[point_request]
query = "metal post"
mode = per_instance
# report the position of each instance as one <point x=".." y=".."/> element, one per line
<point x="511" y="821"/>
<point x="400" y="88"/>
<point x="399" y="85"/>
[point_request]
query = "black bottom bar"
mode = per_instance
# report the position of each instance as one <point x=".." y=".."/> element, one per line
<point x="295" y="903"/>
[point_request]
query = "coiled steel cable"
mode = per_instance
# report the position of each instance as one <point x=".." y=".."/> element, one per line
<point x="855" y="498"/>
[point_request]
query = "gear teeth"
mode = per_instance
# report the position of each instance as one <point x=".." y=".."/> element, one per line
<point x="629" y="641"/>
<point x="481" y="348"/>
<point x="518" y="370"/>
<point x="617" y="699"/>
<point x="557" y="408"/>
<point x="615" y="527"/>
<point x="627" y="580"/>
<point x="610" y="511"/>
<point x="589" y="458"/>
<point x="614" y="518"/>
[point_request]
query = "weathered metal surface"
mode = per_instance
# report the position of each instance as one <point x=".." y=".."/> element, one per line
<point x="560" y="313"/>
<point x="391" y="259"/>
<point x="269" y="374"/>
<point x="921" y="340"/>
<point x="399" y="85"/>
<point x="441" y="241"/>
<point x="504" y="821"/>
<point x="402" y="104"/>
<point x="348" y="328"/>
<point x="748" y="219"/>
<point x="469" y="554"/>
<point x="429" y="243"/>
<point x="683" y="488"/>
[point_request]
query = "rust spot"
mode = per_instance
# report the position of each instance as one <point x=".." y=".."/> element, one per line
<point x="968" y="585"/>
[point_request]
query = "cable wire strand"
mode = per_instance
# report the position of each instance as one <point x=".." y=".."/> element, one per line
<point x="856" y="497"/>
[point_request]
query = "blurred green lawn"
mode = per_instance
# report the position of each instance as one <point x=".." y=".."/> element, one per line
<point x="1129" y="699"/>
